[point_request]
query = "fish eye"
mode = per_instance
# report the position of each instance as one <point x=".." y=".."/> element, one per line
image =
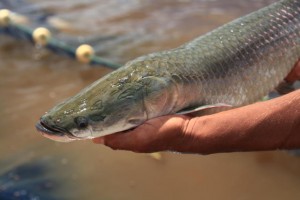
<point x="81" y="122"/>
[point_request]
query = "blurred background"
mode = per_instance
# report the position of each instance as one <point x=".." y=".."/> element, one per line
<point x="33" y="80"/>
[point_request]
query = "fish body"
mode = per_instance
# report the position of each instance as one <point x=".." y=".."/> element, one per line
<point x="235" y="64"/>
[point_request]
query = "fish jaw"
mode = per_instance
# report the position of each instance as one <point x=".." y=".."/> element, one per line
<point x="53" y="134"/>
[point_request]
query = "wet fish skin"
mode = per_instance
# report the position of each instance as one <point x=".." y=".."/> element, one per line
<point x="236" y="64"/>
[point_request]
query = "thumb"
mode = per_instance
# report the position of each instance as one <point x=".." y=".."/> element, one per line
<point x="157" y="134"/>
<point x="140" y="139"/>
<point x="127" y="140"/>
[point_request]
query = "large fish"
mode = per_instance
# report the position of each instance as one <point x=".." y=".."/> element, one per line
<point x="234" y="65"/>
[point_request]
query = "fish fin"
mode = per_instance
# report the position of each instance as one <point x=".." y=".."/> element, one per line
<point x="204" y="107"/>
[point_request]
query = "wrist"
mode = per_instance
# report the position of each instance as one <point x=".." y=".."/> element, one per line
<point x="203" y="134"/>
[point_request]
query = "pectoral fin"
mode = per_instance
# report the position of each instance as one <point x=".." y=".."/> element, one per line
<point x="204" y="107"/>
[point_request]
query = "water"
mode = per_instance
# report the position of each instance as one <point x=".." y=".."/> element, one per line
<point x="31" y="82"/>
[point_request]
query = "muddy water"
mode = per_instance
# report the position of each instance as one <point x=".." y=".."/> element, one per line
<point x="32" y="81"/>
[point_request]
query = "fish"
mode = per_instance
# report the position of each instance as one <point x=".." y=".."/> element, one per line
<point x="232" y="66"/>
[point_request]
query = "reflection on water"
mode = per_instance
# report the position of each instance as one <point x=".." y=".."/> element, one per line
<point x="30" y="86"/>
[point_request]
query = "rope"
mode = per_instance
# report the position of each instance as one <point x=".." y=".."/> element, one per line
<point x="14" y="25"/>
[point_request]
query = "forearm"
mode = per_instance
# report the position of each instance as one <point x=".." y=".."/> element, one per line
<point x="269" y="125"/>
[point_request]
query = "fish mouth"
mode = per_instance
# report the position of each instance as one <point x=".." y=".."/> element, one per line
<point x="54" y="133"/>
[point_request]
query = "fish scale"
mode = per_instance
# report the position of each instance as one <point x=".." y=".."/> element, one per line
<point x="235" y="64"/>
<point x="251" y="41"/>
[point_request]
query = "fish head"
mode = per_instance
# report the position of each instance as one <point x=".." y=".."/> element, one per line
<point x="107" y="106"/>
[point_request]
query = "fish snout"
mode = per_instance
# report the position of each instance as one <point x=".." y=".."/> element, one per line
<point x="53" y="132"/>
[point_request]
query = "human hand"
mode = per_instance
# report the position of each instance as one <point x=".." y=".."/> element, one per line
<point x="287" y="85"/>
<point x="294" y="75"/>
<point x="158" y="134"/>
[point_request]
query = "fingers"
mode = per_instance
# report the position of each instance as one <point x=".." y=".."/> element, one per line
<point x="287" y="85"/>
<point x="99" y="140"/>
<point x="141" y="139"/>
<point x="294" y="75"/>
<point x="154" y="135"/>
<point x="136" y="140"/>
<point x="119" y="141"/>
